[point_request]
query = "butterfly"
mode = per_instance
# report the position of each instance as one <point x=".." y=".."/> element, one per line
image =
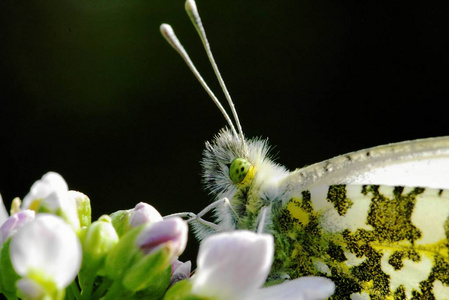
<point x="375" y="221"/>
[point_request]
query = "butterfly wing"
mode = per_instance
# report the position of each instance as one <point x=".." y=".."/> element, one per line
<point x="423" y="162"/>
<point x="374" y="242"/>
<point x="351" y="219"/>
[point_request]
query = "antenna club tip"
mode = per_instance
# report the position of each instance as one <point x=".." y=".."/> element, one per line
<point x="165" y="28"/>
<point x="190" y="7"/>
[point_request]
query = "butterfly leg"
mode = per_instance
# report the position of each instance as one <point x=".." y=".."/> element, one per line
<point x="262" y="217"/>
<point x="184" y="215"/>
<point x="198" y="218"/>
<point x="192" y="217"/>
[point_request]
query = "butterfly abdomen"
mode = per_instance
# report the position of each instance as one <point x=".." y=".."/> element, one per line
<point x="378" y="241"/>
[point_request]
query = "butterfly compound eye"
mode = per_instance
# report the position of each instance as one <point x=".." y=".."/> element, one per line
<point x="239" y="169"/>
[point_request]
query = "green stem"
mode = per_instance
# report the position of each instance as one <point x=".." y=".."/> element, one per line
<point x="101" y="290"/>
<point x="74" y="290"/>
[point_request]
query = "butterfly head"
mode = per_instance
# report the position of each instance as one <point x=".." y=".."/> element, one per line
<point x="230" y="170"/>
<point x="227" y="166"/>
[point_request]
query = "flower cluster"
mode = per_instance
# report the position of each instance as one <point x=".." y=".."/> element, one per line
<point x="50" y="249"/>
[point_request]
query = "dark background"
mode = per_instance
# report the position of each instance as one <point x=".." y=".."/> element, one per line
<point x="91" y="90"/>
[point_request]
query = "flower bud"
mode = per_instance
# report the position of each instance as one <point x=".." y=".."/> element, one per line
<point x="143" y="256"/>
<point x="170" y="233"/>
<point x="98" y="240"/>
<point x="83" y="207"/>
<point x="142" y="213"/>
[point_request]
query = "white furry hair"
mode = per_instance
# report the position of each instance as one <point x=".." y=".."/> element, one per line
<point x="217" y="157"/>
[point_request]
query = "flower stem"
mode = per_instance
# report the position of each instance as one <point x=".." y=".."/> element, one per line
<point x="101" y="290"/>
<point x="74" y="290"/>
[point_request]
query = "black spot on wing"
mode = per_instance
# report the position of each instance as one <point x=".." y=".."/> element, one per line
<point x="399" y="293"/>
<point x="306" y="203"/>
<point x="396" y="260"/>
<point x="337" y="196"/>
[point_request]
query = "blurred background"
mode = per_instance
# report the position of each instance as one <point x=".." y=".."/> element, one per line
<point x="91" y="90"/>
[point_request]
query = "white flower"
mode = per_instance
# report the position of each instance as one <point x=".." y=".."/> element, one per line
<point x="3" y="212"/>
<point x="235" y="265"/>
<point x="51" y="194"/>
<point x="232" y="265"/>
<point x="45" y="250"/>
<point x="50" y="183"/>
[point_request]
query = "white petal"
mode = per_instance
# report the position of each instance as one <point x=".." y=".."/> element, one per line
<point x="14" y="223"/>
<point x="51" y="182"/>
<point x="69" y="208"/>
<point x="56" y="181"/>
<point x="3" y="212"/>
<point x="53" y="192"/>
<point x="304" y="288"/>
<point x="47" y="245"/>
<point x="232" y="265"/>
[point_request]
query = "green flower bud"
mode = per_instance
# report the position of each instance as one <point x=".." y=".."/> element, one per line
<point x="144" y="254"/>
<point x="122" y="255"/>
<point x="120" y="221"/>
<point x="83" y="207"/>
<point x="99" y="238"/>
<point x="151" y="272"/>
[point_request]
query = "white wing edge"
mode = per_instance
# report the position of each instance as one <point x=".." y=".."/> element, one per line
<point x="422" y="162"/>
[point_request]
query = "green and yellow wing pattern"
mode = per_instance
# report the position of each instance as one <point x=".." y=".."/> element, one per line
<point x="373" y="241"/>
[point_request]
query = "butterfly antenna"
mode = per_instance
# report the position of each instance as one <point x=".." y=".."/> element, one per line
<point x="194" y="16"/>
<point x="170" y="36"/>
